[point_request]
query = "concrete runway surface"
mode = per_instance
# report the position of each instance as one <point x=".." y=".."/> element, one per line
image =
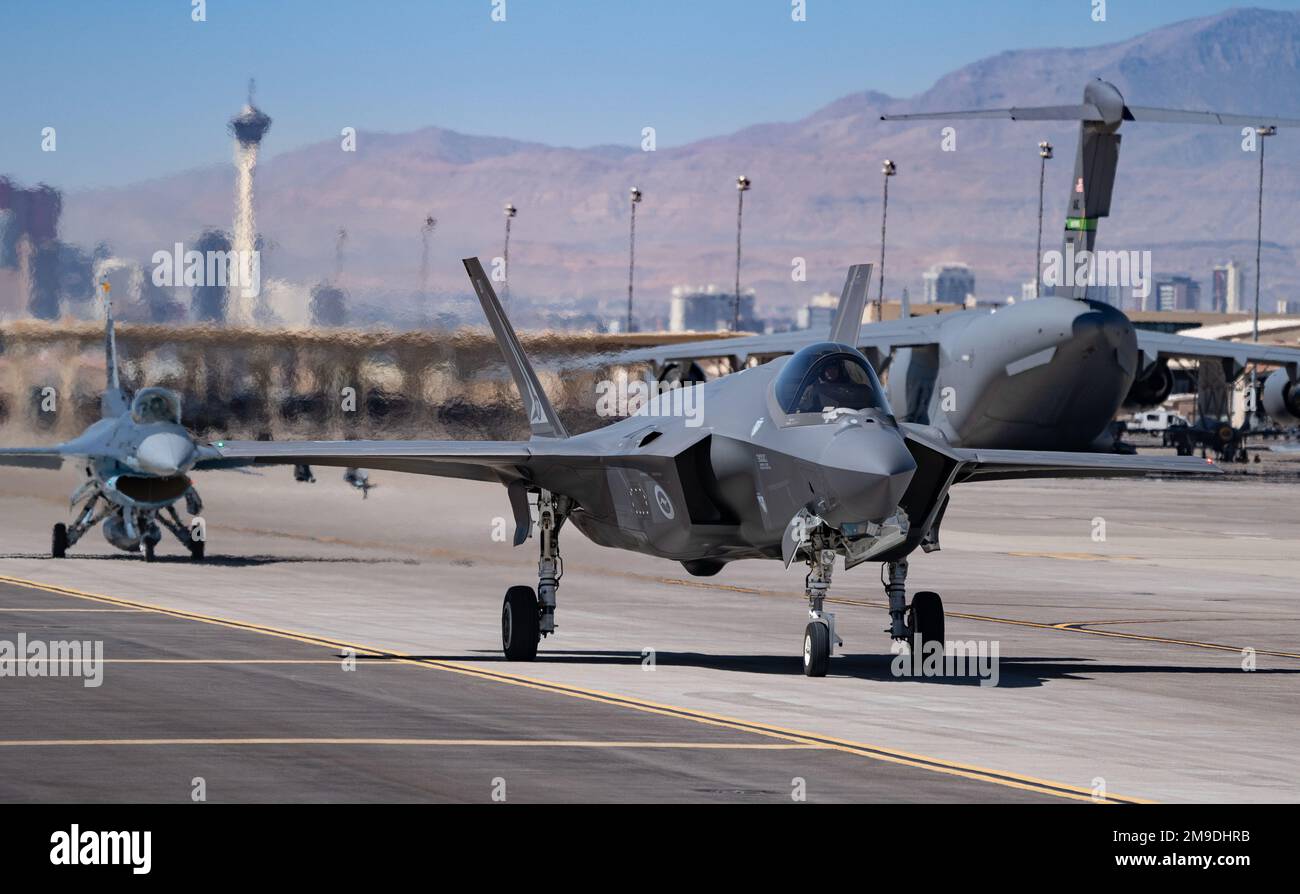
<point x="1120" y="659"/>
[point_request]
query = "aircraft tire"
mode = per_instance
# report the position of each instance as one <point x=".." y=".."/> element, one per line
<point x="59" y="541"/>
<point x="197" y="550"/>
<point x="520" y="624"/>
<point x="148" y="551"/>
<point x="816" y="649"/>
<point x="926" y="618"/>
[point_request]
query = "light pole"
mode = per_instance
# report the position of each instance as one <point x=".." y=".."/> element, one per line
<point x="888" y="169"/>
<point x="426" y="233"/>
<point x="1044" y="153"/>
<point x="511" y="211"/>
<point x="635" y="196"/>
<point x="742" y="187"/>
<point x="1265" y="131"/>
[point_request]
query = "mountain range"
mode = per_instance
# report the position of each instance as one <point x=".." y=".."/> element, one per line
<point x="1188" y="194"/>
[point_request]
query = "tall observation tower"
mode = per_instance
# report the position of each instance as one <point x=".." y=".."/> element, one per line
<point x="248" y="128"/>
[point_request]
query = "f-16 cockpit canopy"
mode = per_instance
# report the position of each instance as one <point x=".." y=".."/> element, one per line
<point x="828" y="375"/>
<point x="156" y="405"/>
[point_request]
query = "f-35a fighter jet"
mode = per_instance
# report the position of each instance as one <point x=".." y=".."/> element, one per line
<point x="136" y="461"/>
<point x="798" y="458"/>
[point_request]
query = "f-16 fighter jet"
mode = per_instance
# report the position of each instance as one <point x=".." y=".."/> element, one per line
<point x="136" y="461"/>
<point x="800" y="458"/>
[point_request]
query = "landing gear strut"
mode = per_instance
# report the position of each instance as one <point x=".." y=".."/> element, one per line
<point x="527" y="616"/>
<point x="819" y="639"/>
<point x="918" y="624"/>
<point x="65" y="536"/>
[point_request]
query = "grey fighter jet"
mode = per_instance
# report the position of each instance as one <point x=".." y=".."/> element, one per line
<point x="1048" y="374"/>
<point x="801" y="457"/>
<point x="136" y="461"/>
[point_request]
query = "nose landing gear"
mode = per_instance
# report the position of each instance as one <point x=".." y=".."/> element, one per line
<point x="819" y="638"/>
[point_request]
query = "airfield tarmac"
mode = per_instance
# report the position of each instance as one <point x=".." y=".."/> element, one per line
<point x="1121" y="662"/>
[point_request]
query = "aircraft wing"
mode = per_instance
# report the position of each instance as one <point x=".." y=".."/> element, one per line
<point x="1158" y="345"/>
<point x="499" y="461"/>
<point x="995" y="465"/>
<point x="884" y="336"/>
<point x="32" y="457"/>
<point x="979" y="464"/>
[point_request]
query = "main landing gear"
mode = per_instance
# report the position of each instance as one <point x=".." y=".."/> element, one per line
<point x="918" y="624"/>
<point x="528" y="615"/>
<point x="134" y="529"/>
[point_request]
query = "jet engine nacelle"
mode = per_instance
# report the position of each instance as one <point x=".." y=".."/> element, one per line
<point x="1152" y="389"/>
<point x="1281" y="398"/>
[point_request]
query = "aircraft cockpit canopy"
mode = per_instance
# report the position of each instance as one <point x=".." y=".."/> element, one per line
<point x="156" y="405"/>
<point x="828" y="375"/>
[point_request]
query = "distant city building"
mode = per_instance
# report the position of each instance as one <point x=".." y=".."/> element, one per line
<point x="209" y="302"/>
<point x="1288" y="307"/>
<point x="1177" y="293"/>
<point x="948" y="284"/>
<point x="1227" y="288"/>
<point x="704" y="309"/>
<point x="819" y="312"/>
<point x="1029" y="290"/>
<point x="328" y="305"/>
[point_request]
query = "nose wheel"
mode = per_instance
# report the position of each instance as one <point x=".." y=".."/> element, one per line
<point x="816" y="649"/>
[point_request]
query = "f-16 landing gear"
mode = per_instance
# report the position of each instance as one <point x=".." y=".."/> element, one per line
<point x="819" y="639"/>
<point x="528" y="615"/>
<point x="172" y="522"/>
<point x="65" y="536"/>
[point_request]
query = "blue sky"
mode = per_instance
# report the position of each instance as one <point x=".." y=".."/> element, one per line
<point x="136" y="89"/>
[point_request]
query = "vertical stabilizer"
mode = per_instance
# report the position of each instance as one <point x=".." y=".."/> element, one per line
<point x="113" y="401"/>
<point x="847" y="323"/>
<point x="542" y="418"/>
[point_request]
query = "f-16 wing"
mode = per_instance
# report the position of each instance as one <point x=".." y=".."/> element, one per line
<point x="32" y="457"/>
<point x="1156" y="346"/>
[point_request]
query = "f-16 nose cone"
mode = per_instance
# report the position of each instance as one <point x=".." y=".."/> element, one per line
<point x="164" y="453"/>
<point x="866" y="469"/>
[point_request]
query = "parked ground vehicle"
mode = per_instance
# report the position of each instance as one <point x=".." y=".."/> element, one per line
<point x="1155" y="421"/>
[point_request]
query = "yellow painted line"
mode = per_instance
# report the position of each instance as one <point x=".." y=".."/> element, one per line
<point x="1086" y="627"/>
<point x="888" y="755"/>
<point x="103" y="611"/>
<point x="409" y="743"/>
<point x="334" y="662"/>
<point x="1073" y="557"/>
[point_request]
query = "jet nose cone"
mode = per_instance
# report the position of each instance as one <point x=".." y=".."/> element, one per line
<point x="866" y="468"/>
<point x="164" y="453"/>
